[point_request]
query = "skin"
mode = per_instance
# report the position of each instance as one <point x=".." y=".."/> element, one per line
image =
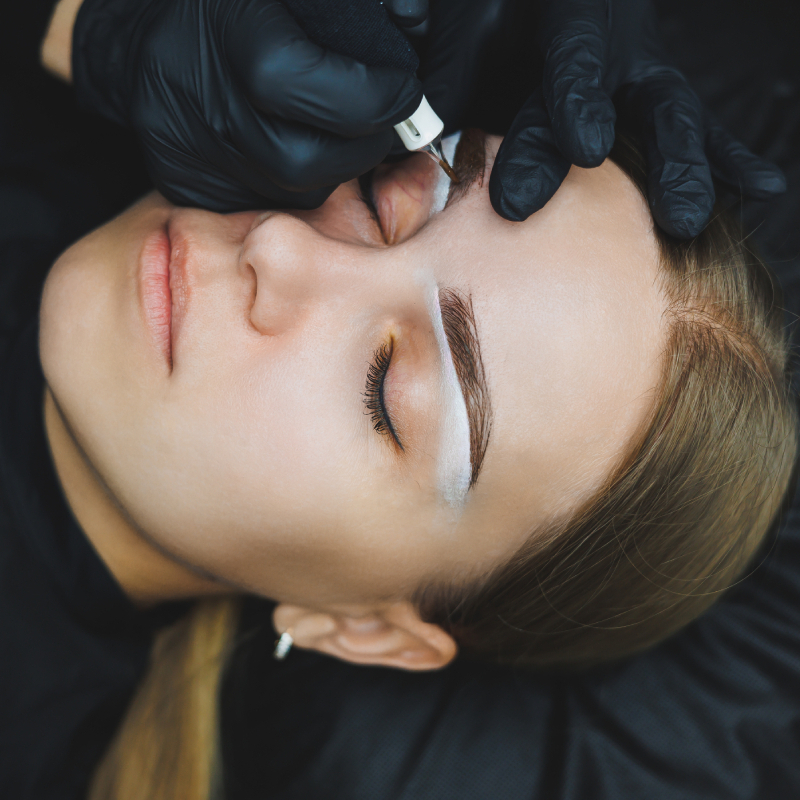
<point x="56" y="49"/>
<point x="252" y="465"/>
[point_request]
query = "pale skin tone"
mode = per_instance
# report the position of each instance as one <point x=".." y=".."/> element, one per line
<point x="251" y="465"/>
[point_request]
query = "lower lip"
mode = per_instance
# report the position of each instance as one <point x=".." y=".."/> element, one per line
<point x="155" y="292"/>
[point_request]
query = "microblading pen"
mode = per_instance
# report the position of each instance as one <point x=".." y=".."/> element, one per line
<point x="422" y="133"/>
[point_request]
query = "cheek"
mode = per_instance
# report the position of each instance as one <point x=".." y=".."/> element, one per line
<point x="66" y="313"/>
<point x="261" y="439"/>
<point x="95" y="362"/>
<point x="263" y="465"/>
<point x="78" y="293"/>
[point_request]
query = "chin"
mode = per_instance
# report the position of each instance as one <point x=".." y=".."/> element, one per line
<point x="67" y="316"/>
<point x="86" y="360"/>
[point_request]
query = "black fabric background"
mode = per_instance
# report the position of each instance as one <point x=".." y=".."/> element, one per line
<point x="714" y="713"/>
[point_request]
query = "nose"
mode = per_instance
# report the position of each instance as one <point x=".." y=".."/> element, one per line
<point x="293" y="264"/>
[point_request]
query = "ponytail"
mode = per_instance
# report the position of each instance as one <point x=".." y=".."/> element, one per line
<point x="167" y="748"/>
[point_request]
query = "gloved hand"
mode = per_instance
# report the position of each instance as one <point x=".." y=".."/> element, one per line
<point x="407" y="13"/>
<point x="462" y="35"/>
<point x="593" y="48"/>
<point x="234" y="106"/>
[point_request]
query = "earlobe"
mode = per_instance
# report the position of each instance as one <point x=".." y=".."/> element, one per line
<point x="390" y="636"/>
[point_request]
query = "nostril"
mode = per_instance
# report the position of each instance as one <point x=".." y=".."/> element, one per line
<point x="280" y="256"/>
<point x="251" y="293"/>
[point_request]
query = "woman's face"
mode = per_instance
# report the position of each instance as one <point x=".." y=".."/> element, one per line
<point x="293" y="401"/>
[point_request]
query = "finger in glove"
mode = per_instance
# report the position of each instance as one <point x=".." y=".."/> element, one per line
<point x="529" y="166"/>
<point x="456" y="60"/>
<point x="408" y="13"/>
<point x="744" y="172"/>
<point x="680" y="190"/>
<point x="574" y="37"/>
<point x="237" y="188"/>
<point x="294" y="156"/>
<point x="284" y="73"/>
<point x="268" y="163"/>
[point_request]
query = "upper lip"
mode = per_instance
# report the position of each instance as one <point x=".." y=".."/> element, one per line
<point x="179" y="279"/>
<point x="154" y="288"/>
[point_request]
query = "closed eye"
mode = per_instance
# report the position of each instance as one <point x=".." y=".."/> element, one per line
<point x="365" y="185"/>
<point x="373" y="395"/>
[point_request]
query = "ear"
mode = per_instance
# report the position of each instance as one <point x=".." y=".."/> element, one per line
<point x="389" y="636"/>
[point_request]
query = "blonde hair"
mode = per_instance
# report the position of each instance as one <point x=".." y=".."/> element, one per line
<point x="674" y="527"/>
<point x="679" y="521"/>
<point x="166" y="748"/>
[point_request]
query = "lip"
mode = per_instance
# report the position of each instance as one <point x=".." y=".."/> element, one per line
<point x="155" y="290"/>
<point x="164" y="287"/>
<point x="180" y="280"/>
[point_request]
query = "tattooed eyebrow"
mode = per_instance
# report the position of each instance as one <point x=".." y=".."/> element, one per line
<point x="469" y="164"/>
<point x="458" y="319"/>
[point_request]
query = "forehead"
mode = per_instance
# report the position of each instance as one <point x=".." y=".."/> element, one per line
<point x="570" y="315"/>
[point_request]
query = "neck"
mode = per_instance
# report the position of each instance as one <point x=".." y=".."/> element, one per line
<point x="146" y="574"/>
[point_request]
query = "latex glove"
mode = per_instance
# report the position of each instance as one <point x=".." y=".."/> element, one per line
<point x="592" y="49"/>
<point x="460" y="51"/>
<point x="407" y="13"/>
<point x="234" y="107"/>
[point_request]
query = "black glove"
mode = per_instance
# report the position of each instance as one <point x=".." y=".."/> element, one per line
<point x="234" y="106"/>
<point x="454" y="45"/>
<point x="407" y="13"/>
<point x="592" y="49"/>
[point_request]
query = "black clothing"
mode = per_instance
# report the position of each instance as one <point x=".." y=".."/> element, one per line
<point x="72" y="647"/>
<point x="713" y="713"/>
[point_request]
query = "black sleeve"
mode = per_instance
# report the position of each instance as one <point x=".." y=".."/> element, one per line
<point x="73" y="645"/>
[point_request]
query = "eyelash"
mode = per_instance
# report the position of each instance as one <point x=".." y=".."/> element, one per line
<point x="373" y="396"/>
<point x="368" y="198"/>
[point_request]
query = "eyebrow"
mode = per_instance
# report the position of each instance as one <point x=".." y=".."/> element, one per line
<point x="469" y="164"/>
<point x="458" y="320"/>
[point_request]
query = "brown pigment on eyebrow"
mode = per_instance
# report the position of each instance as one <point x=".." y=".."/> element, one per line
<point x="458" y="319"/>
<point x="469" y="163"/>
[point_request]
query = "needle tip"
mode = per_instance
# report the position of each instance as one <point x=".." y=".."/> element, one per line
<point x="434" y="150"/>
<point x="449" y="171"/>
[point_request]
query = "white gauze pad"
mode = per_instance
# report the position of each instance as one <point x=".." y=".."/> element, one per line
<point x="454" y="470"/>
<point x="442" y="187"/>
